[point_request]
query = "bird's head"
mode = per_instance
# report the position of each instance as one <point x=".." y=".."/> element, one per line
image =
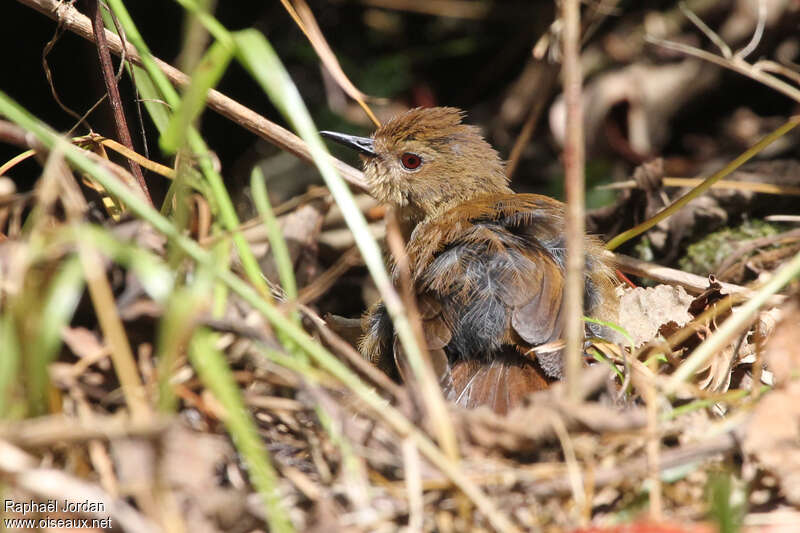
<point x="425" y="161"/>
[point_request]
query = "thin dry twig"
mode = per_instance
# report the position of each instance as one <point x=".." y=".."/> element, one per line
<point x="735" y="62"/>
<point x="633" y="469"/>
<point x="123" y="59"/>
<point x="416" y="507"/>
<point x="653" y="451"/>
<point x="326" y="280"/>
<point x="753" y="186"/>
<point x="693" y="283"/>
<point x="434" y="401"/>
<point x="59" y="429"/>
<point x="777" y="68"/>
<point x="304" y="18"/>
<point x="574" y="160"/>
<point x="574" y="474"/>
<point x="746" y="247"/>
<point x="758" y="33"/>
<point x="107" y="68"/>
<point x="49" y="75"/>
<point x="713" y="36"/>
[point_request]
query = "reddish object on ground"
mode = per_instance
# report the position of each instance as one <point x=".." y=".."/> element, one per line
<point x="649" y="527"/>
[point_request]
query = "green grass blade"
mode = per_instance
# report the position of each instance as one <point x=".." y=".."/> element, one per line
<point x="205" y="76"/>
<point x="318" y="353"/>
<point x="151" y="98"/>
<point x="174" y="330"/>
<point x="215" y="373"/>
<point x="9" y="362"/>
<point x="61" y="301"/>
<point x="211" y="24"/>
<point x="280" y="251"/>
<point x="258" y="57"/>
<point x="198" y="147"/>
<point x="157" y="279"/>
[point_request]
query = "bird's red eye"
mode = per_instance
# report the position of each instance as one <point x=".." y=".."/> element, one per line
<point x="411" y="161"/>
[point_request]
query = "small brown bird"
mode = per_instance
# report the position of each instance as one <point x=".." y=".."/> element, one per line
<point x="487" y="264"/>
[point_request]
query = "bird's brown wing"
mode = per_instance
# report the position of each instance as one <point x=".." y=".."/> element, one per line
<point x="489" y="282"/>
<point x="498" y="293"/>
<point x="494" y="288"/>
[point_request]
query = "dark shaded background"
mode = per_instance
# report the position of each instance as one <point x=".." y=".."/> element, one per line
<point x="412" y="59"/>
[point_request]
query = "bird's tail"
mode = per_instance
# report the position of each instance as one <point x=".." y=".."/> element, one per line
<point x="500" y="384"/>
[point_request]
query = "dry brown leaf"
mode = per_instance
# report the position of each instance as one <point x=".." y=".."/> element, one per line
<point x="84" y="343"/>
<point x="772" y="438"/>
<point x="643" y="311"/>
<point x="781" y="353"/>
<point x="716" y="374"/>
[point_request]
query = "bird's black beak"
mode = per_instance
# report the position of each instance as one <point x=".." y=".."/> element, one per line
<point x="363" y="145"/>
